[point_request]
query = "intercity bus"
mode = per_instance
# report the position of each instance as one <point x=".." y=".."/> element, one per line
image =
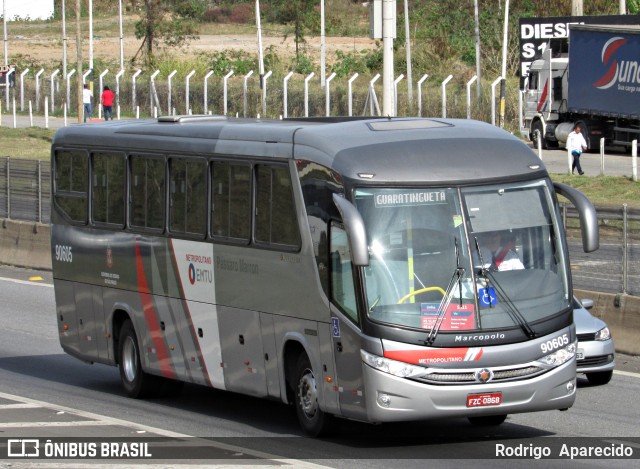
<point x="337" y="265"/>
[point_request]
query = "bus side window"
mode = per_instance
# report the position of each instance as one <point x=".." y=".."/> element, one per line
<point x="71" y="184"/>
<point x="342" y="285"/>
<point x="187" y="206"/>
<point x="147" y="192"/>
<point x="276" y="221"/>
<point x="107" y="195"/>
<point x="231" y="200"/>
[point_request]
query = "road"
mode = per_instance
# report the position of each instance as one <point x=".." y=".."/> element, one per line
<point x="46" y="393"/>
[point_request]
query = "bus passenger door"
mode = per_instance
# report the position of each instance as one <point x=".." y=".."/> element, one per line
<point x="345" y="333"/>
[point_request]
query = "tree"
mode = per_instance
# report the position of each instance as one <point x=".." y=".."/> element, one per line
<point x="168" y="23"/>
<point x="299" y="13"/>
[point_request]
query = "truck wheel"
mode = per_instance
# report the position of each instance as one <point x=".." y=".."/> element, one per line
<point x="487" y="420"/>
<point x="599" y="378"/>
<point x="313" y="421"/>
<point x="135" y="381"/>
<point x="535" y="128"/>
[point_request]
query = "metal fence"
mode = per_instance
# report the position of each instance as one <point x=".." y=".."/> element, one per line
<point x="25" y="189"/>
<point x="25" y="194"/>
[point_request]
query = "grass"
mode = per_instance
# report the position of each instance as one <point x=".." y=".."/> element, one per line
<point x="32" y="143"/>
<point x="605" y="190"/>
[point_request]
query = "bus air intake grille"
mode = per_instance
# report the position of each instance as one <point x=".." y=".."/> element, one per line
<point x="468" y="377"/>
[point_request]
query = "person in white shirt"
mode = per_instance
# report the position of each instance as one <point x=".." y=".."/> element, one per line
<point x="86" y="100"/>
<point x="497" y="254"/>
<point x="576" y="144"/>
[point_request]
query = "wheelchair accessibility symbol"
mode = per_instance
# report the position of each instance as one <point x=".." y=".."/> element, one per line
<point x="488" y="297"/>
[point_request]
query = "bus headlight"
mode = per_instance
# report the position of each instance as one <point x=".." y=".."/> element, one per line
<point x="560" y="356"/>
<point x="603" y="334"/>
<point x="393" y="367"/>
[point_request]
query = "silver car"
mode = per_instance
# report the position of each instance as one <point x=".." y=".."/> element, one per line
<point x="596" y="352"/>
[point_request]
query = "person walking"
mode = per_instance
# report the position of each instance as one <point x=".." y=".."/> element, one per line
<point x="107" y="102"/>
<point x="86" y="101"/>
<point x="576" y="144"/>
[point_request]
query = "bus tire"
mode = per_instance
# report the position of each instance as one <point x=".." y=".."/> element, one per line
<point x="487" y="420"/>
<point x="313" y="421"/>
<point x="134" y="380"/>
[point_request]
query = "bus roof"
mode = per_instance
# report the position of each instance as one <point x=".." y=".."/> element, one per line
<point x="390" y="149"/>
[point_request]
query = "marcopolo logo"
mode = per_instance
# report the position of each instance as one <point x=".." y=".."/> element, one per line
<point x="623" y="71"/>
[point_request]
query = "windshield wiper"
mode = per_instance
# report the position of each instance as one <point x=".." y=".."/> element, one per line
<point x="511" y="308"/>
<point x="456" y="278"/>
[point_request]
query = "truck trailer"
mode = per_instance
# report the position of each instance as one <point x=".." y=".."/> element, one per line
<point x="595" y="81"/>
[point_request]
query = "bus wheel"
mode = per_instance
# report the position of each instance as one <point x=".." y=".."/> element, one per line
<point x="135" y="381"/>
<point x="313" y="421"/>
<point x="487" y="420"/>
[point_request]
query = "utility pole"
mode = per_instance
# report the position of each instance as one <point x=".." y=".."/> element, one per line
<point x="477" y="27"/>
<point x="504" y="62"/>
<point x="623" y="7"/>
<point x="79" y="62"/>
<point x="388" y="33"/>
<point x="260" y="56"/>
<point x="322" y="46"/>
<point x="407" y="32"/>
<point x="6" y="44"/>
<point x="577" y="8"/>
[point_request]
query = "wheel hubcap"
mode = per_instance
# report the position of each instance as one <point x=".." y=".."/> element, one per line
<point x="308" y="394"/>
<point x="129" y="362"/>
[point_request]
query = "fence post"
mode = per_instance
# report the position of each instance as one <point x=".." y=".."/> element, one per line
<point x="169" y="111"/>
<point x="306" y="93"/>
<point x="634" y="160"/>
<point x="469" y="83"/>
<point x="68" y="77"/>
<point x="395" y="94"/>
<point x="225" y="82"/>
<point x="53" y="89"/>
<point x="424" y="77"/>
<point x="46" y="112"/>
<point x="39" y="191"/>
<point x="8" y="187"/>
<point x="444" y="95"/>
<point x="350" y="92"/>
<point x="244" y="92"/>
<point x="602" y="156"/>
<point x="539" y="143"/>
<point x="85" y="75"/>
<point x="38" y="89"/>
<point x="264" y="92"/>
<point x="285" y="94"/>
<point x="493" y="100"/>
<point x="625" y="247"/>
<point x="186" y="91"/>
<point x="206" y="91"/>
<point x="327" y="95"/>
<point x="22" y="88"/>
<point x="118" y="75"/>
<point x="7" y="81"/>
<point x="153" y="101"/>
<point x="373" y="100"/>
<point x="133" y="90"/>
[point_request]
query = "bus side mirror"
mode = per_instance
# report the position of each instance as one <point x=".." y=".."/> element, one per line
<point x="354" y="226"/>
<point x="587" y="214"/>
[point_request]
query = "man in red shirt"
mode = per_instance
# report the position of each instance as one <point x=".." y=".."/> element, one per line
<point x="107" y="102"/>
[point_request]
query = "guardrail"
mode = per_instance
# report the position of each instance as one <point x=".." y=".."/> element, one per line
<point x="25" y="194"/>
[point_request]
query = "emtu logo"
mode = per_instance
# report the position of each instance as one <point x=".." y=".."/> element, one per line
<point x="609" y="78"/>
<point x="192" y="274"/>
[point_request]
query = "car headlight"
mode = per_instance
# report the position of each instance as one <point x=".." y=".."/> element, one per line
<point x="603" y="334"/>
<point x="560" y="356"/>
<point x="393" y="367"/>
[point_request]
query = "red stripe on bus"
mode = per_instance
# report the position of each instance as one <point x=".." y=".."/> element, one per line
<point x="422" y="357"/>
<point x="151" y="317"/>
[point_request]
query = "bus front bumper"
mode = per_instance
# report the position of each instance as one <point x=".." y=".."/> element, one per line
<point x="391" y="399"/>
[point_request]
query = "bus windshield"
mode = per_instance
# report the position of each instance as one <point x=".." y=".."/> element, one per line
<point x="475" y="258"/>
